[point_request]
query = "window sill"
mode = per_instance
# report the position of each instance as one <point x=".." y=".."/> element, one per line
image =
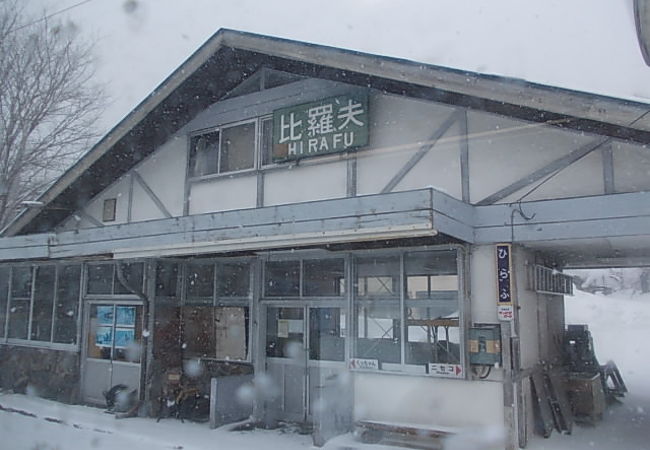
<point x="41" y="345"/>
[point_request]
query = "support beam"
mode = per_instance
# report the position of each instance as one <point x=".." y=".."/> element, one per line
<point x="259" y="200"/>
<point x="464" y="157"/>
<point x="608" y="169"/>
<point x="399" y="176"/>
<point x="129" y="211"/>
<point x="554" y="166"/>
<point x="352" y="175"/>
<point x="151" y="194"/>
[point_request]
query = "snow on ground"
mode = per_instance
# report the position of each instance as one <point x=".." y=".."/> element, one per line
<point x="619" y="324"/>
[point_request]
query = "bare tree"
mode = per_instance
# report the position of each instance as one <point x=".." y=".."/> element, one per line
<point x="47" y="104"/>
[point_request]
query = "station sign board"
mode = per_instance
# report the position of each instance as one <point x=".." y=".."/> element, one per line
<point x="331" y="125"/>
<point x="364" y="364"/>
<point x="446" y="370"/>
<point x="505" y="309"/>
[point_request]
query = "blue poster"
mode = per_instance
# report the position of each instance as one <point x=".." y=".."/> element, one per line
<point x="124" y="337"/>
<point x="126" y="315"/>
<point x="104" y="336"/>
<point x="105" y="315"/>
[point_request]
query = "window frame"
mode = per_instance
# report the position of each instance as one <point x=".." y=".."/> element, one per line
<point x="191" y="155"/>
<point x="403" y="368"/>
<point x="222" y="302"/>
<point x="112" y="295"/>
<point x="50" y="344"/>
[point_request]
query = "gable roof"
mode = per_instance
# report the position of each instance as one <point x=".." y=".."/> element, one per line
<point x="229" y="57"/>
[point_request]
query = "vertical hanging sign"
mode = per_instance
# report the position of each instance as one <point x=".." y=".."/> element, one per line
<point x="505" y="308"/>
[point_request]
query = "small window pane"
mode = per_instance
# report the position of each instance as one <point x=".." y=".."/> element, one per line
<point x="377" y="277"/>
<point x="43" y="304"/>
<point x="4" y="298"/>
<point x="237" y="147"/>
<point x="21" y="282"/>
<point x="166" y="279"/>
<point x="231" y="328"/>
<point x="133" y="274"/>
<point x="285" y="333"/>
<point x="128" y="334"/>
<point x="324" y="277"/>
<point x="101" y="331"/>
<point x="282" y="279"/>
<point x="100" y="279"/>
<point x="198" y="332"/>
<point x="378" y="331"/>
<point x="431" y="338"/>
<point x="430" y="274"/>
<point x="67" y="304"/>
<point x="326" y="334"/>
<point x="233" y="280"/>
<point x="204" y="154"/>
<point x="200" y="283"/>
<point x="18" y="319"/>
<point x="108" y="212"/>
<point x="266" y="146"/>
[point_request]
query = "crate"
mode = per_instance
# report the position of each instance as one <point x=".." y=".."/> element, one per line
<point x="586" y="396"/>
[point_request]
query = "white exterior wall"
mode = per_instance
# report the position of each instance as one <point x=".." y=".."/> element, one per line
<point x="500" y="152"/>
<point x="223" y="194"/>
<point x="427" y="401"/>
<point x="306" y="183"/>
<point x="164" y="172"/>
<point x="631" y="167"/>
<point x="399" y="127"/>
<point x="119" y="191"/>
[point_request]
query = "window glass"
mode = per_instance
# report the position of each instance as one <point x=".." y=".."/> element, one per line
<point x="200" y="283"/>
<point x="431" y="338"/>
<point x="285" y="333"/>
<point x="128" y="333"/>
<point x="325" y="277"/>
<point x="101" y="331"/>
<point x="432" y="308"/>
<point x="166" y="279"/>
<point x="266" y="145"/>
<point x="377" y="277"/>
<point x="100" y="278"/>
<point x="43" y="305"/>
<point x="430" y="273"/>
<point x="18" y="318"/>
<point x="198" y="331"/>
<point x="326" y="334"/>
<point x="282" y="279"/>
<point x="237" y="147"/>
<point x="378" y="331"/>
<point x="4" y="298"/>
<point x="132" y="274"/>
<point x="204" y="154"/>
<point x="233" y="279"/>
<point x="21" y="293"/>
<point x="21" y="282"/>
<point x="231" y="329"/>
<point x="67" y="304"/>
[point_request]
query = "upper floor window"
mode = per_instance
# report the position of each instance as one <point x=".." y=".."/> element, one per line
<point x="227" y="149"/>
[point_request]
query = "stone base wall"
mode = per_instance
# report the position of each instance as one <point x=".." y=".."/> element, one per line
<point x="52" y="374"/>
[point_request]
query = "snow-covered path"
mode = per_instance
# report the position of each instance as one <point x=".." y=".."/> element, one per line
<point x="619" y="325"/>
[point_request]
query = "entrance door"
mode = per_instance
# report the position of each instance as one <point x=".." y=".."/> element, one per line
<point x="113" y="347"/>
<point x="305" y="352"/>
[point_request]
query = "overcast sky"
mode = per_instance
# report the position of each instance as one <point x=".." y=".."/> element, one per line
<point x="587" y="45"/>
